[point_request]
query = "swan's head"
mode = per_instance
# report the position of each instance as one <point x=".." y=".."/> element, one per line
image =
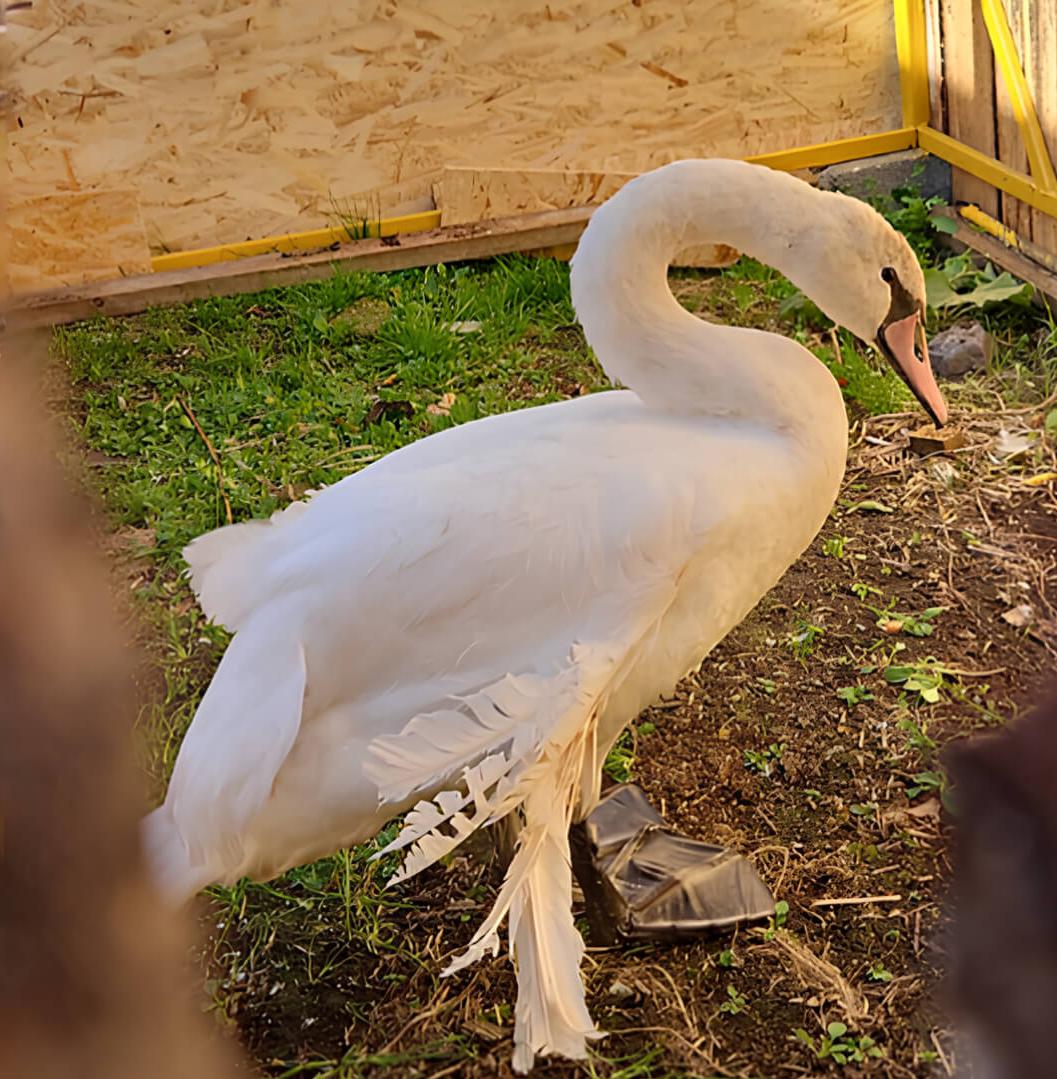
<point x="863" y="274"/>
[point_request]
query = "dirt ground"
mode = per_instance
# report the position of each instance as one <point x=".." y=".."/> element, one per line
<point x="839" y="799"/>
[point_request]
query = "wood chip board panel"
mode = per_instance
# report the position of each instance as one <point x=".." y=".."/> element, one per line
<point x="236" y="119"/>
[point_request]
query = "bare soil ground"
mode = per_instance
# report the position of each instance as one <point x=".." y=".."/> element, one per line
<point x="841" y="805"/>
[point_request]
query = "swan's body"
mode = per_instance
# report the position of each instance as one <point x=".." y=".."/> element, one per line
<point x="595" y="550"/>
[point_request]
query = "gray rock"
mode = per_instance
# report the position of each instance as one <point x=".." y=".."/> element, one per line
<point x="876" y="177"/>
<point x="964" y="347"/>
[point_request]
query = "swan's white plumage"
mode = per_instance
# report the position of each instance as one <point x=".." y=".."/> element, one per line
<point x="466" y="625"/>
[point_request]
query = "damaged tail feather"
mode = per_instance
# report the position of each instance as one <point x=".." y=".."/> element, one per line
<point x="550" y="727"/>
<point x="551" y="1014"/>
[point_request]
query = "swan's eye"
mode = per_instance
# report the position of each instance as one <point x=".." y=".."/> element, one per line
<point x="888" y="274"/>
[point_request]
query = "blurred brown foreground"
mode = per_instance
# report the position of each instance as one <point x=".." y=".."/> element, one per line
<point x="93" y="972"/>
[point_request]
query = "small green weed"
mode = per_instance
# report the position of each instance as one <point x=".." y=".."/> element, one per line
<point x="878" y="973"/>
<point x="621" y="758"/>
<point x="917" y="739"/>
<point x="958" y="283"/>
<point x="803" y="638"/>
<point x="853" y="695"/>
<point x="834" y="546"/>
<point x="922" y="681"/>
<point x="862" y="590"/>
<point x="838" y="1045"/>
<point x="778" y="920"/>
<point x="927" y="783"/>
<point x="734" y="1003"/>
<point x="914" y="625"/>
<point x="763" y="761"/>
<point x="914" y="216"/>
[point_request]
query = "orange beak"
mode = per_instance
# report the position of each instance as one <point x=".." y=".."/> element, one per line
<point x="904" y="344"/>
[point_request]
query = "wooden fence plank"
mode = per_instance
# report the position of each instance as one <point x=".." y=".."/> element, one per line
<point x="1011" y="149"/>
<point x="970" y="85"/>
<point x="1042" y="35"/>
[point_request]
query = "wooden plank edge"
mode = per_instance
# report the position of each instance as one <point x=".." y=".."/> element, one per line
<point x="1016" y="262"/>
<point x="134" y="294"/>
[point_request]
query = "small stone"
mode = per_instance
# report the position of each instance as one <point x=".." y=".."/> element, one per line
<point x="1020" y="617"/>
<point x="1011" y="444"/>
<point x="960" y="349"/>
<point x="621" y="991"/>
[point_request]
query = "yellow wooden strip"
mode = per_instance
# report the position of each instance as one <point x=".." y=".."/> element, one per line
<point x="975" y="216"/>
<point x="297" y="241"/>
<point x="912" y="47"/>
<point x="985" y="168"/>
<point x="1010" y="237"/>
<point x="1019" y="93"/>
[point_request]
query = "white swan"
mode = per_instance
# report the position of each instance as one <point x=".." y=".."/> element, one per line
<point x="483" y="611"/>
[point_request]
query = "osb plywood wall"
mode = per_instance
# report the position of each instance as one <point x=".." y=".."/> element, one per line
<point x="215" y="121"/>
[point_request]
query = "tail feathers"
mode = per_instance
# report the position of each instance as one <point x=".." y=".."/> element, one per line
<point x="226" y="566"/>
<point x="537" y="773"/>
<point x="551" y="1015"/>
<point x="168" y="861"/>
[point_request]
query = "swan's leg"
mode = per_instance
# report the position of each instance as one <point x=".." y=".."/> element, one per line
<point x="504" y="838"/>
<point x="643" y="880"/>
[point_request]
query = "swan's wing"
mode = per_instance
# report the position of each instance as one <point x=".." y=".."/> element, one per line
<point x="243" y="729"/>
<point x="489" y="550"/>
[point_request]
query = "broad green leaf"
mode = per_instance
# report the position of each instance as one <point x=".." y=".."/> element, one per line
<point x="872" y="505"/>
<point x="942" y="223"/>
<point x="985" y="287"/>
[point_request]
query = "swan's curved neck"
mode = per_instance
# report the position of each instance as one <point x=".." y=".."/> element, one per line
<point x="642" y="336"/>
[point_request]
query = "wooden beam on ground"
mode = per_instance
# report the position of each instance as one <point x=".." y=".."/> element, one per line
<point x="1007" y="258"/>
<point x="131" y="295"/>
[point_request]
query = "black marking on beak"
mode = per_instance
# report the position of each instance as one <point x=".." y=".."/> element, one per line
<point x="903" y="305"/>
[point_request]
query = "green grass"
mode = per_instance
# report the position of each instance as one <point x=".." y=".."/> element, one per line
<point x="293" y="395"/>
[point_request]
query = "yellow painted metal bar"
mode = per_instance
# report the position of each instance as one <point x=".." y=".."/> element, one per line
<point x="1019" y="93"/>
<point x="297" y="241"/>
<point x="985" y="222"/>
<point x="1012" y="182"/>
<point x="975" y="216"/>
<point x="832" y="153"/>
<point x="912" y="47"/>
